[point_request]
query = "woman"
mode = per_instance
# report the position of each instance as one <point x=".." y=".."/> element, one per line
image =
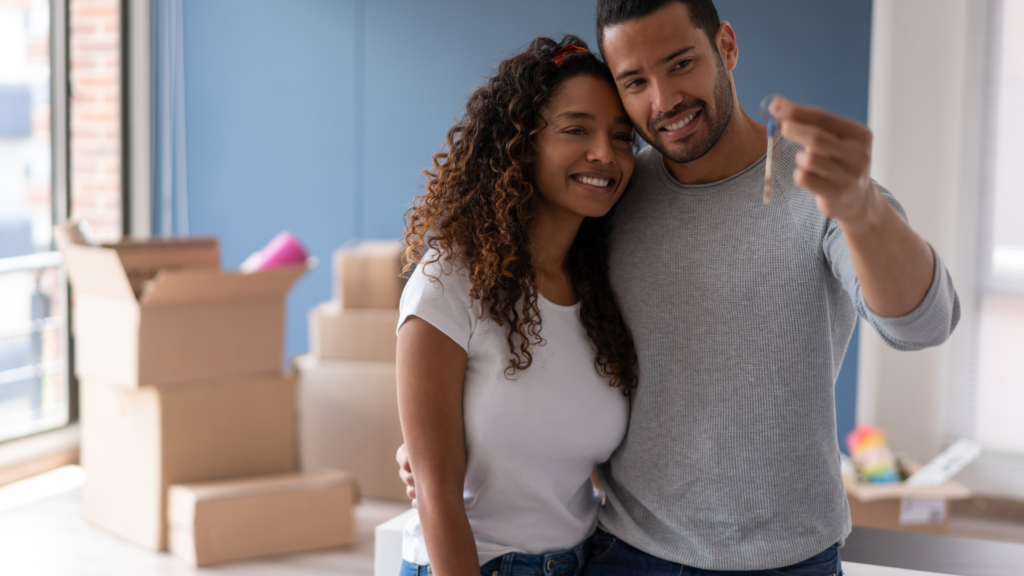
<point x="514" y="363"/>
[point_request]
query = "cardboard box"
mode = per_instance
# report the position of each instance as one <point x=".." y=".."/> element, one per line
<point x="387" y="544"/>
<point x="369" y="275"/>
<point x="136" y="443"/>
<point x="897" y="506"/>
<point x="337" y="333"/>
<point x="244" y="518"/>
<point x="190" y="322"/>
<point x="348" y="420"/>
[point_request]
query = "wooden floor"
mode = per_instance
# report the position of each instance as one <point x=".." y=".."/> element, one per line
<point x="50" y="538"/>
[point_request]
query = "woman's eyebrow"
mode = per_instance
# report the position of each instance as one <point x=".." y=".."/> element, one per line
<point x="575" y="116"/>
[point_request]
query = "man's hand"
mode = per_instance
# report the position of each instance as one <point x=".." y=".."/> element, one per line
<point x="405" y="472"/>
<point x="894" y="265"/>
<point x="835" y="163"/>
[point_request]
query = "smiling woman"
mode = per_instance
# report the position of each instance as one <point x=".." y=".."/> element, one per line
<point x="513" y="357"/>
<point x="504" y="176"/>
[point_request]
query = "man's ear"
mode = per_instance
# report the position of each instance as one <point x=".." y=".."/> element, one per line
<point x="727" y="47"/>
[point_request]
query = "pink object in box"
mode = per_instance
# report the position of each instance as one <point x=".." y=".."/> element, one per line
<point x="283" y="250"/>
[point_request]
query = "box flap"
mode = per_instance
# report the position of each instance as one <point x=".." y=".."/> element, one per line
<point x="260" y="485"/>
<point x="93" y="270"/>
<point x="199" y="284"/>
<point x="144" y="259"/>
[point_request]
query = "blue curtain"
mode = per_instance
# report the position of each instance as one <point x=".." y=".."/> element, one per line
<point x="170" y="175"/>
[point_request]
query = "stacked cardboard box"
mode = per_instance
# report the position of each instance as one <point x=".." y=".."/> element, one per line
<point x="180" y="371"/>
<point x="348" y="406"/>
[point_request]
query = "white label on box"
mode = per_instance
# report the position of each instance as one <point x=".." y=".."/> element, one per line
<point x="922" y="511"/>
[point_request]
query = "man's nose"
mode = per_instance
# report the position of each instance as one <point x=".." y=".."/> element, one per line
<point x="666" y="97"/>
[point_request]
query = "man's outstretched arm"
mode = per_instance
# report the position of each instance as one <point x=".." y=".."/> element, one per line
<point x="895" y="267"/>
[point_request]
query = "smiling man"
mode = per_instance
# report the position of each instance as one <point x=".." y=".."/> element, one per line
<point x="742" y="311"/>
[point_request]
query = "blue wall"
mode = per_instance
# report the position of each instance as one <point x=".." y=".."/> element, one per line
<point x="317" y="116"/>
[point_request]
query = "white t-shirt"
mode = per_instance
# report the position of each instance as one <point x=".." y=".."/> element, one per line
<point x="532" y="441"/>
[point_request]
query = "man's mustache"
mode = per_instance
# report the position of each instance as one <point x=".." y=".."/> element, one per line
<point x="652" y="126"/>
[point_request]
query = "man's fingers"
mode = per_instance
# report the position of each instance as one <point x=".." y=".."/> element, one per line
<point x="815" y="183"/>
<point x="407" y="477"/>
<point x="826" y="168"/>
<point x="853" y="155"/>
<point x="785" y="111"/>
<point x="402" y="457"/>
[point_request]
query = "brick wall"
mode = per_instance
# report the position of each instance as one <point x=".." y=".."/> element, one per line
<point x="96" y="114"/>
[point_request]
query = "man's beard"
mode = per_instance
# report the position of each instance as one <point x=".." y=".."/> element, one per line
<point x="715" y="124"/>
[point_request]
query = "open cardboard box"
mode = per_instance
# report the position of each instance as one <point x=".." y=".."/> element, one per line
<point x="897" y="506"/>
<point x="161" y="311"/>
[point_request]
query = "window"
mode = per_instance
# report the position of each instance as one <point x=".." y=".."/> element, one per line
<point x="33" y="367"/>
<point x="999" y="376"/>
<point x="45" y="145"/>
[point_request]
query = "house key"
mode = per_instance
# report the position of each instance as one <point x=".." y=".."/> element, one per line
<point x="772" y="139"/>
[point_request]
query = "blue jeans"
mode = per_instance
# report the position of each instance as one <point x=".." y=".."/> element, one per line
<point x="565" y="563"/>
<point x="609" y="556"/>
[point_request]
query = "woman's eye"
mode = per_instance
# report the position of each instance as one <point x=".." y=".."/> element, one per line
<point x="625" y="137"/>
<point x="575" y="131"/>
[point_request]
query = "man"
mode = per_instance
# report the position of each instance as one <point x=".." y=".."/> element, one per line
<point x="741" y="311"/>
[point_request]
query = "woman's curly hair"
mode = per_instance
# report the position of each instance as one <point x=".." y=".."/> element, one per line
<point x="477" y="211"/>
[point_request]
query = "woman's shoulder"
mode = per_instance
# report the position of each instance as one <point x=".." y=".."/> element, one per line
<point x="438" y="291"/>
<point x="442" y="268"/>
<point x="439" y="275"/>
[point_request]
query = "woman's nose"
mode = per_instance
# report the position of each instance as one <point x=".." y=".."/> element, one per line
<point x="602" y="151"/>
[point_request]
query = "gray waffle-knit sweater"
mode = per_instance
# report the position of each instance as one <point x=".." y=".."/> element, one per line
<point x="741" y="314"/>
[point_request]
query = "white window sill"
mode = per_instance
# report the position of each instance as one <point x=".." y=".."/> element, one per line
<point x="38" y="453"/>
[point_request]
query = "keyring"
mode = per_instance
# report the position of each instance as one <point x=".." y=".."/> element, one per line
<point x="768" y="117"/>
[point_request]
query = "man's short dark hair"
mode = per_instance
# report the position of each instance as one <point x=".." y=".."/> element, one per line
<point x="615" y="12"/>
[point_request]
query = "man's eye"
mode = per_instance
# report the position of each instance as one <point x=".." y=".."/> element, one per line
<point x="683" y="64"/>
<point x="633" y="84"/>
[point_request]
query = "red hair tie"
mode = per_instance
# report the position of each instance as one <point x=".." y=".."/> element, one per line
<point x="559" y="56"/>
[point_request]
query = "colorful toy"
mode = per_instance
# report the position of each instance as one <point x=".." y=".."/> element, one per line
<point x="871" y="456"/>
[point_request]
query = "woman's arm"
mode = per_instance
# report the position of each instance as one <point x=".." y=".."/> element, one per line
<point x="431" y="371"/>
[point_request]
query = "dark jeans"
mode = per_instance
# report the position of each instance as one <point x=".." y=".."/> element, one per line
<point x="609" y="556"/>
<point x="565" y="563"/>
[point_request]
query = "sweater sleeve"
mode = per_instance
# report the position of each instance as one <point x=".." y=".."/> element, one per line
<point x="930" y="324"/>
